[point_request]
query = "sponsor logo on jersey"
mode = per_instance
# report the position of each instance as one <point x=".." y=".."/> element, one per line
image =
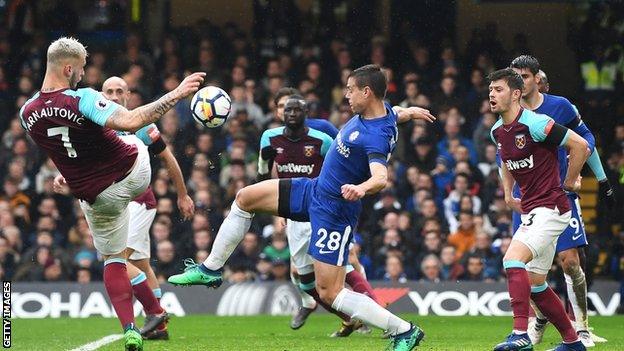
<point x="308" y="150"/>
<point x="520" y="164"/>
<point x="102" y="104"/>
<point x="520" y="141"/>
<point x="354" y="135"/>
<point x="293" y="168"/>
<point x="341" y="147"/>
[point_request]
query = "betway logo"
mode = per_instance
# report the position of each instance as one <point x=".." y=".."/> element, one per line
<point x="524" y="163"/>
<point x="293" y="168"/>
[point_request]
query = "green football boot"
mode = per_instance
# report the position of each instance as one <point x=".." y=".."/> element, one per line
<point x="133" y="340"/>
<point x="406" y="341"/>
<point x="195" y="274"/>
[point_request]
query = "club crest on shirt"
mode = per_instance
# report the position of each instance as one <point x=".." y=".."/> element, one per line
<point x="308" y="150"/>
<point x="520" y="141"/>
<point x="354" y="135"/>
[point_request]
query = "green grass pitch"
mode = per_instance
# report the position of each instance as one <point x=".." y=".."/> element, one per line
<point x="207" y="332"/>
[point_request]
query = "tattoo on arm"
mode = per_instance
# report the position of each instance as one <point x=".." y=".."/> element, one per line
<point x="123" y="119"/>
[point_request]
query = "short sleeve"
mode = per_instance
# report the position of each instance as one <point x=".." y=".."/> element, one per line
<point x="378" y="148"/>
<point x="148" y="134"/>
<point x="539" y="126"/>
<point x="94" y="106"/>
<point x="264" y="140"/>
<point x="326" y="140"/>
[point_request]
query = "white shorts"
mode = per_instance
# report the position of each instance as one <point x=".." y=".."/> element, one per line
<point x="299" y="234"/>
<point x="138" y="231"/>
<point x="539" y="231"/>
<point x="108" y="215"/>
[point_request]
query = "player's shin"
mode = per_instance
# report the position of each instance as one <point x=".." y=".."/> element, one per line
<point x="549" y="303"/>
<point x="144" y="294"/>
<point x="119" y="289"/>
<point x="308" y="286"/>
<point x="231" y="233"/>
<point x="358" y="283"/>
<point x="519" y="288"/>
<point x="577" y="294"/>
<point x="362" y="307"/>
<point x="307" y="300"/>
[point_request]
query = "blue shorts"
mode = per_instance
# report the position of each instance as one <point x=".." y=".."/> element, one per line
<point x="333" y="220"/>
<point x="574" y="235"/>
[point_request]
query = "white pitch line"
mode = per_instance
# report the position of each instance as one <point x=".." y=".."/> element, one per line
<point x="99" y="343"/>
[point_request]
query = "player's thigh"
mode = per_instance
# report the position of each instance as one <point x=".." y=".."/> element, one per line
<point x="259" y="197"/>
<point x="574" y="235"/>
<point x="540" y="230"/>
<point x="139" y="225"/>
<point x="298" y="234"/>
<point x="108" y="222"/>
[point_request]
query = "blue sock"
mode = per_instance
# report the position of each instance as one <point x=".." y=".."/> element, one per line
<point x="207" y="270"/>
<point x="596" y="166"/>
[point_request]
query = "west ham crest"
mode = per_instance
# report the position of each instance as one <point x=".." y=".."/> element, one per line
<point x="520" y="141"/>
<point x="308" y="150"/>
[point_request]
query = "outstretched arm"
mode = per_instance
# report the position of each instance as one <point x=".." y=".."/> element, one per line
<point x="406" y="114"/>
<point x="185" y="203"/>
<point x="125" y="120"/>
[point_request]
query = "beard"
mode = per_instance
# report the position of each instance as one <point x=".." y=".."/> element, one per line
<point x="74" y="80"/>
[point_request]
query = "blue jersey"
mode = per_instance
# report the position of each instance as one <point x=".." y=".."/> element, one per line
<point x="360" y="142"/>
<point x="564" y="113"/>
<point x="319" y="200"/>
<point x="322" y="125"/>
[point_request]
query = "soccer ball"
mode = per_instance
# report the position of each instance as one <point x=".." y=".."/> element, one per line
<point x="211" y="106"/>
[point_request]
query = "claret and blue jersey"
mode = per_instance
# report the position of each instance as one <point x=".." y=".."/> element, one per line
<point x="563" y="112"/>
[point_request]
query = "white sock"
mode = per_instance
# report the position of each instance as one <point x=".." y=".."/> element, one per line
<point x="362" y="307"/>
<point x="307" y="301"/>
<point x="577" y="293"/>
<point x="231" y="233"/>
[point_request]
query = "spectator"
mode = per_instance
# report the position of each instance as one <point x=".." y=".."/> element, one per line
<point x="394" y="271"/>
<point x="465" y="237"/>
<point x="450" y="270"/>
<point x="474" y="269"/>
<point x="430" y="268"/>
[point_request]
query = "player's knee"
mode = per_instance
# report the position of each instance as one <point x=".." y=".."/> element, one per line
<point x="243" y="200"/>
<point x="570" y="266"/>
<point x="326" y="294"/>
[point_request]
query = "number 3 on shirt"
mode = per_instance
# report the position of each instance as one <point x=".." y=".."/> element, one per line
<point x="64" y="133"/>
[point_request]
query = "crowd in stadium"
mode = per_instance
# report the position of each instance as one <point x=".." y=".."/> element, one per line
<point x="442" y="217"/>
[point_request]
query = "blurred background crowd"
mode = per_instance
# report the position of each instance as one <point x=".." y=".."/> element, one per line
<point x="442" y="216"/>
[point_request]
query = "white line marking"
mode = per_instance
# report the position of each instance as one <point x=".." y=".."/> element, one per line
<point x="99" y="343"/>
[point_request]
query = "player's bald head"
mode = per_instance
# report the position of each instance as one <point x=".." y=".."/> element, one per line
<point x="114" y="82"/>
<point x="116" y="89"/>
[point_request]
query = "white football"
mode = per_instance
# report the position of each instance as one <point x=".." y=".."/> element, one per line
<point x="211" y="106"/>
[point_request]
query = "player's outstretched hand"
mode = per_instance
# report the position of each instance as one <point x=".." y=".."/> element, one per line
<point x="352" y="192"/>
<point x="420" y="113"/>
<point x="514" y="204"/>
<point x="186" y="206"/>
<point x="190" y="84"/>
<point x="59" y="185"/>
